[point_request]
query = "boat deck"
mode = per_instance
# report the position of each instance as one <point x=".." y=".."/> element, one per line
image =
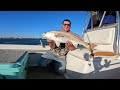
<point x="34" y="70"/>
<point x="9" y="56"/>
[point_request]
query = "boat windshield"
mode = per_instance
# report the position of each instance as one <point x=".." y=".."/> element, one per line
<point x="101" y="18"/>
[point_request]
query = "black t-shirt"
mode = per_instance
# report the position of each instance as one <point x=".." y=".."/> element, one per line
<point x="61" y="46"/>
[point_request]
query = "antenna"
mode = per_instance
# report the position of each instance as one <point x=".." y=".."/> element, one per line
<point x="102" y="18"/>
<point x="84" y="23"/>
<point x="118" y="33"/>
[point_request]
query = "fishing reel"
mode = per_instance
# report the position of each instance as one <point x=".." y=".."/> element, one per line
<point x="58" y="51"/>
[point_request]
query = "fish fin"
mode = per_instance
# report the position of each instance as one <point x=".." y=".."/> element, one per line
<point x="59" y="35"/>
<point x="91" y="46"/>
<point x="75" y="45"/>
<point x="57" y="43"/>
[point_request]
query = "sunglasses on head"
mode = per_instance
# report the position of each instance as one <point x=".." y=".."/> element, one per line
<point x="66" y="24"/>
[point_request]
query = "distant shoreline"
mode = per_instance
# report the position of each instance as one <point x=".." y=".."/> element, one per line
<point x="23" y="41"/>
<point x="22" y="38"/>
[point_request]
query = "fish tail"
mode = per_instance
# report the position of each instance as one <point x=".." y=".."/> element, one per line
<point x="91" y="46"/>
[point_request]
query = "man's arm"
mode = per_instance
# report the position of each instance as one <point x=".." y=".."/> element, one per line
<point x="70" y="46"/>
<point x="51" y="43"/>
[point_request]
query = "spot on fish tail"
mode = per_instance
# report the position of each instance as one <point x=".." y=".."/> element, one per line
<point x="58" y="35"/>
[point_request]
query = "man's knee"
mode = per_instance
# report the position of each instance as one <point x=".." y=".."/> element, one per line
<point x="59" y="68"/>
<point x="44" y="62"/>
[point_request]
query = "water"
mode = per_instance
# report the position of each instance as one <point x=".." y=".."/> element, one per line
<point x="23" y="41"/>
<point x="28" y="42"/>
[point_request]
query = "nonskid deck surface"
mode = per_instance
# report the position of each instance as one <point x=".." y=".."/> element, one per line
<point x="10" y="56"/>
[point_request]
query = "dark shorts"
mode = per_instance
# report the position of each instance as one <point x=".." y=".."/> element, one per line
<point x="59" y="62"/>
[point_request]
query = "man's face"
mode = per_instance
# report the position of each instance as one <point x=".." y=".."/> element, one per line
<point x="66" y="26"/>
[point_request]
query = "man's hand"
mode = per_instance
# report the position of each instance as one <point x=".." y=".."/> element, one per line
<point x="69" y="43"/>
<point x="51" y="43"/>
<point x="70" y="46"/>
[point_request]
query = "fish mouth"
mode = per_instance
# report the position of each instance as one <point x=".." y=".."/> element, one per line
<point x="43" y="35"/>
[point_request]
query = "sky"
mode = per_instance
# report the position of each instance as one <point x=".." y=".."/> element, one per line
<point x="31" y="24"/>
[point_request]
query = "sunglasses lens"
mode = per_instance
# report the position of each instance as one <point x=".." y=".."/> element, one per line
<point x="66" y="24"/>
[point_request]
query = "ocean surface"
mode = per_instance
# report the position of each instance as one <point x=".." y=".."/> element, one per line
<point x="23" y="41"/>
<point x="28" y="42"/>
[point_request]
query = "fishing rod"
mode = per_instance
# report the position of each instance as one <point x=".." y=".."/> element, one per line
<point x="86" y="32"/>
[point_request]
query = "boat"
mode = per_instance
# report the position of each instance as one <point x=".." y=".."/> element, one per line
<point x="103" y="62"/>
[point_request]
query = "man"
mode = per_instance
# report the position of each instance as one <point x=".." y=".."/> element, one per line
<point x="61" y="48"/>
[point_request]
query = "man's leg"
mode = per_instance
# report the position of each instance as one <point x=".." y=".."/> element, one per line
<point x="46" y="58"/>
<point x="60" y="67"/>
<point x="44" y="62"/>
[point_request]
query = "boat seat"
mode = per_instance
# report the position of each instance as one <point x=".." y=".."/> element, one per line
<point x="105" y="54"/>
<point x="104" y="37"/>
<point x="98" y="54"/>
<point x="85" y="54"/>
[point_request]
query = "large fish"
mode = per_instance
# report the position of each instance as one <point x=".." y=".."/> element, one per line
<point x="63" y="37"/>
